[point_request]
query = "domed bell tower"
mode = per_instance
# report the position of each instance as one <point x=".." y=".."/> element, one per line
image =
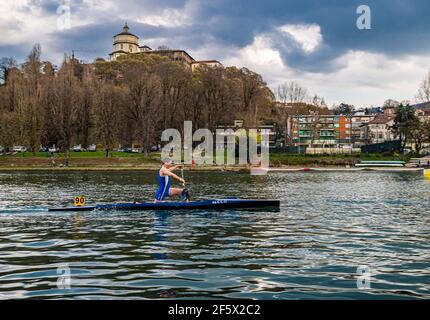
<point x="123" y="43"/>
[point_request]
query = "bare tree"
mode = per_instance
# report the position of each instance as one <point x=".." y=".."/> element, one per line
<point x="390" y="103"/>
<point x="109" y="99"/>
<point x="134" y="97"/>
<point x="255" y="94"/>
<point x="424" y="90"/>
<point x="291" y="92"/>
<point x="33" y="115"/>
<point x="145" y="97"/>
<point x="315" y="127"/>
<point x="175" y="83"/>
<point x="318" y="101"/>
<point x="64" y="106"/>
<point x="85" y="108"/>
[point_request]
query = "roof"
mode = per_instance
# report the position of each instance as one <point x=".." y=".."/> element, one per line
<point x="169" y="51"/>
<point x="206" y="61"/>
<point x="125" y="32"/>
<point x="118" y="51"/>
<point x="381" y="119"/>
<point x="422" y="105"/>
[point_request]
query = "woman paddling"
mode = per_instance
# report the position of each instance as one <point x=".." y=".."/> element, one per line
<point x="163" y="178"/>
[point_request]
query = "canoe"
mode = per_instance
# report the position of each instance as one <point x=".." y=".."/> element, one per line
<point x="217" y="204"/>
<point x="427" y="173"/>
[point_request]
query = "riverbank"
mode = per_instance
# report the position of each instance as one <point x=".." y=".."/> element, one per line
<point x="96" y="161"/>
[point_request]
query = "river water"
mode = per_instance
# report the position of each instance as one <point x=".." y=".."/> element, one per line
<point x="345" y="235"/>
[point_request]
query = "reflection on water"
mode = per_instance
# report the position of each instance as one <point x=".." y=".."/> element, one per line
<point x="329" y="224"/>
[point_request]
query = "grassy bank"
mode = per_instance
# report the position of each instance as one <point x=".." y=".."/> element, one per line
<point x="286" y="159"/>
<point x="131" y="161"/>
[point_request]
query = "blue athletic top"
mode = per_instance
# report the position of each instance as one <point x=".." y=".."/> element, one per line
<point x="163" y="187"/>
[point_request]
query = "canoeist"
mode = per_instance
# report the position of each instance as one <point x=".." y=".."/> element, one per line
<point x="164" y="190"/>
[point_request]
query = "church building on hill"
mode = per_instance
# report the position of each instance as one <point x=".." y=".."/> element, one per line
<point x="126" y="42"/>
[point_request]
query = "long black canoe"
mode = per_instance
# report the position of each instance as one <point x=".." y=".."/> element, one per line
<point x="218" y="204"/>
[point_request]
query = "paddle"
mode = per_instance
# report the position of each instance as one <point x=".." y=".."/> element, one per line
<point x="183" y="184"/>
<point x="182" y="176"/>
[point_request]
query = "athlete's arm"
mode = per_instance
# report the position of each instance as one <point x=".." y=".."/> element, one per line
<point x="178" y="166"/>
<point x="171" y="174"/>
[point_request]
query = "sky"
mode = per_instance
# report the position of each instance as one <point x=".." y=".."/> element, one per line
<point x="315" y="43"/>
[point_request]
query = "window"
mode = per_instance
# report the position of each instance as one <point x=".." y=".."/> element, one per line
<point x="122" y="47"/>
<point x="131" y="48"/>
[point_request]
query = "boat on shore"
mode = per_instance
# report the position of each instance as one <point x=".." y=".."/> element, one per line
<point x="367" y="164"/>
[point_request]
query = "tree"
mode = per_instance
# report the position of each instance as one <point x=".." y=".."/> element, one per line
<point x="344" y="109"/>
<point x="175" y="84"/>
<point x="405" y="123"/>
<point x="220" y="96"/>
<point x="426" y="130"/>
<point x="390" y="103"/>
<point x="85" y="108"/>
<point x="315" y="125"/>
<point x="145" y="97"/>
<point x="64" y="106"/>
<point x="109" y="99"/>
<point x="254" y="94"/>
<point x="132" y="98"/>
<point x="424" y="90"/>
<point x="417" y="135"/>
<point x="318" y="101"/>
<point x="32" y="116"/>
<point x="6" y="64"/>
<point x="291" y="92"/>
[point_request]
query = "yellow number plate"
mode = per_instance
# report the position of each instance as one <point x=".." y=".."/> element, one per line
<point x="79" y="201"/>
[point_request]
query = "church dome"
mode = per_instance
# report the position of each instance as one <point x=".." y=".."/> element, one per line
<point x="125" y="32"/>
<point x="124" y="42"/>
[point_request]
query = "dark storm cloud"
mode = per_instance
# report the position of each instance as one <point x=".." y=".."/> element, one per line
<point x="399" y="27"/>
<point x="14" y="51"/>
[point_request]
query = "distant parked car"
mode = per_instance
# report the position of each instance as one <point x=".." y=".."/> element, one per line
<point x="1" y="150"/>
<point x="19" y="149"/>
<point x="129" y="150"/>
<point x="77" y="148"/>
<point x="53" y="149"/>
<point x="43" y="149"/>
<point x="92" y="148"/>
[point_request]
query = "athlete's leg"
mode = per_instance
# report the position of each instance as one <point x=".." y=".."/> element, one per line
<point x="175" y="192"/>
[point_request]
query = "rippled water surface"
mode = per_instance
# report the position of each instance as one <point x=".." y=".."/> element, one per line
<point x="328" y="225"/>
